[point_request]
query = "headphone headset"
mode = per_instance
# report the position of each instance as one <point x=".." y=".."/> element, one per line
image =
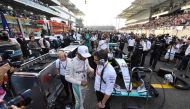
<point x="103" y="59"/>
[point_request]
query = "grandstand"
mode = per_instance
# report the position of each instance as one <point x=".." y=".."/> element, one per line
<point x="158" y="17"/>
<point x="101" y="28"/>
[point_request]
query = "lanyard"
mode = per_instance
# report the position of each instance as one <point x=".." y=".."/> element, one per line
<point x="101" y="75"/>
<point x="102" y="69"/>
<point x="61" y="64"/>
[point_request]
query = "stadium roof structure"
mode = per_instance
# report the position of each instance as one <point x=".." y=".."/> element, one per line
<point x="107" y="28"/>
<point x="138" y="6"/>
<point x="70" y="6"/>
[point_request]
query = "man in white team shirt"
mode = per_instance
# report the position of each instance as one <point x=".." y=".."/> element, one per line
<point x="44" y="44"/>
<point x="185" y="60"/>
<point x="103" y="44"/>
<point x="104" y="80"/>
<point x="146" y="48"/>
<point x="131" y="44"/>
<point x="76" y="73"/>
<point x="77" y="36"/>
<point x="61" y="65"/>
<point x="93" y="40"/>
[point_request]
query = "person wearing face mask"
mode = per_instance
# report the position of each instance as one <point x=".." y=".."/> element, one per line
<point x="76" y="73"/>
<point x="105" y="79"/>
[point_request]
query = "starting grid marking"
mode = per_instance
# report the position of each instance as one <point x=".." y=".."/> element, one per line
<point x="158" y="86"/>
<point x="165" y="86"/>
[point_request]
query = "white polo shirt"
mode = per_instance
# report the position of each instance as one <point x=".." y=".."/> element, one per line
<point x="77" y="37"/>
<point x="93" y="38"/>
<point x="146" y="45"/>
<point x="42" y="44"/>
<point x="109" y="77"/>
<point x="178" y="46"/>
<point x="61" y="65"/>
<point x="131" y="42"/>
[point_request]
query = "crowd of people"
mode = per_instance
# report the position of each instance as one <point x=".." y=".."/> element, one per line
<point x="20" y="13"/>
<point x="74" y="71"/>
<point x="139" y="46"/>
<point x="170" y="48"/>
<point x="94" y="46"/>
<point x="165" y="21"/>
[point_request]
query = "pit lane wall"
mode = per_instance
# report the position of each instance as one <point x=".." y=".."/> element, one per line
<point x="178" y="31"/>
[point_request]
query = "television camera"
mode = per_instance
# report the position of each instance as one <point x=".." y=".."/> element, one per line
<point x="22" y="99"/>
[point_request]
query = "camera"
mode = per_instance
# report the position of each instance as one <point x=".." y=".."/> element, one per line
<point x="6" y="58"/>
<point x="23" y="99"/>
<point x="16" y="64"/>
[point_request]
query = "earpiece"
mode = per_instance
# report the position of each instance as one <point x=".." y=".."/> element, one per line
<point x="102" y="61"/>
<point x="103" y="58"/>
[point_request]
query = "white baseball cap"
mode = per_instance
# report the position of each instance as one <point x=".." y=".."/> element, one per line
<point x="83" y="50"/>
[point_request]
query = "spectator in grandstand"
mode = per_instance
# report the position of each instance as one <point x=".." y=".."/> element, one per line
<point x="33" y="47"/>
<point x="166" y="21"/>
<point x="23" y="44"/>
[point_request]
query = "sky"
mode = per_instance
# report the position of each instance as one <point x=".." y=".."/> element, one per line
<point x="102" y="12"/>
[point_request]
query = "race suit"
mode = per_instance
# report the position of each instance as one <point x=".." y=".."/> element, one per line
<point x="75" y="73"/>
